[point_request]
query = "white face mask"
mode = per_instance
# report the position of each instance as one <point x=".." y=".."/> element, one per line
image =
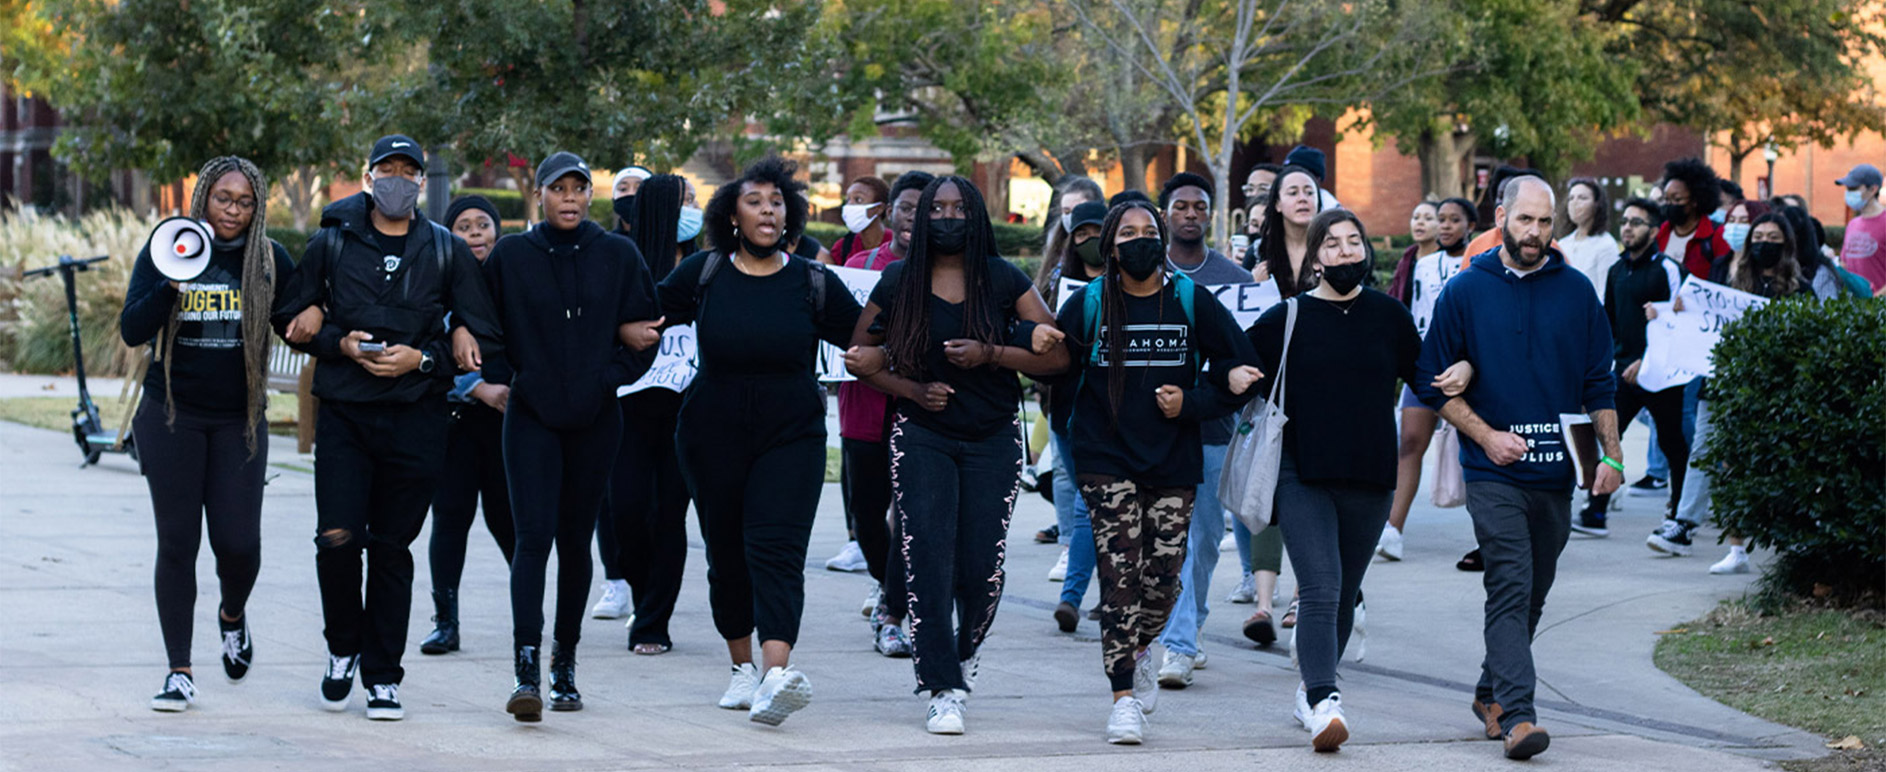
<point x="859" y="216"/>
<point x="1856" y="200"/>
<point x="1067" y="221"/>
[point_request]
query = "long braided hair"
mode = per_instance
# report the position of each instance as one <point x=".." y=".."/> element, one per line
<point x="1113" y="298"/>
<point x="657" y="222"/>
<point x="258" y="293"/>
<point x="907" y="327"/>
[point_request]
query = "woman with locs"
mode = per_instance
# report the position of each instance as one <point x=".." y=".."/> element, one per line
<point x="945" y="332"/>
<point x="751" y="432"/>
<point x="566" y="291"/>
<point x="1136" y="341"/>
<point x="200" y="427"/>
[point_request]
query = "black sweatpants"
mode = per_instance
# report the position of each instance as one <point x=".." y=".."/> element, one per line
<point x="376" y="469"/>
<point x="557" y="478"/>
<point x="474" y="471"/>
<point x="649" y="504"/>
<point x="199" y="469"/>
<point x="1666" y="412"/>
<point x="864" y="477"/>
<point x="753" y="453"/>
<point x="953" y="499"/>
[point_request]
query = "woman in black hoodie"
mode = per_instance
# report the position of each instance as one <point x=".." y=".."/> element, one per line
<point x="565" y="290"/>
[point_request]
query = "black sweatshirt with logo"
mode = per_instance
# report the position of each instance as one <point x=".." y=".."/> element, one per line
<point x="207" y="363"/>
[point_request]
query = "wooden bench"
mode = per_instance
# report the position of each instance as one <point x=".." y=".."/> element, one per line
<point x="292" y="371"/>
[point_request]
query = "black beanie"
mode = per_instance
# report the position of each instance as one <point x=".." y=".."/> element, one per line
<point x="1311" y="159"/>
<point x="462" y="203"/>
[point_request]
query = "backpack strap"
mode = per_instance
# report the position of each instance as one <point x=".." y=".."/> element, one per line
<point x="1090" y="306"/>
<point x="815" y="284"/>
<point x="1188" y="298"/>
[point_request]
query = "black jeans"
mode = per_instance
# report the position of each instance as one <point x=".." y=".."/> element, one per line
<point x="865" y="479"/>
<point x="1521" y="532"/>
<point x="199" y="468"/>
<point x="953" y="499"/>
<point x="1330" y="531"/>
<point x="474" y="472"/>
<point x="1666" y="412"/>
<point x="376" y="468"/>
<point x="649" y="504"/>
<point x="557" y="479"/>
<point x="753" y="453"/>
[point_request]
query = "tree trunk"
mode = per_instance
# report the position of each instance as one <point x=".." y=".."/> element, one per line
<point x="1133" y="165"/>
<point x="521" y="176"/>
<point x="1045" y="166"/>
<point x="1441" y="153"/>
<point x="299" y="187"/>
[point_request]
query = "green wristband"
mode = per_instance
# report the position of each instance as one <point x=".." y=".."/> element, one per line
<point x="1613" y="463"/>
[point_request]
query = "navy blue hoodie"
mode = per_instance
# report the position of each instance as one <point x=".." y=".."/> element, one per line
<point x="1540" y="346"/>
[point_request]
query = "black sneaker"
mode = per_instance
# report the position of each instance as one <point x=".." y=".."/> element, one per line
<point x="179" y="692"/>
<point x="337" y="685"/>
<point x="1650" y="486"/>
<point x="1590" y="522"/>
<point x="238" y="648"/>
<point x="383" y="703"/>
<point x="1048" y="535"/>
<point x="1067" y="617"/>
<point x="1673" y="538"/>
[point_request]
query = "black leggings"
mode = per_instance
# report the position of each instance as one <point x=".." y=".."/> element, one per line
<point x="650" y="509"/>
<point x="865" y="480"/>
<point x="198" y="469"/>
<point x="753" y="453"/>
<point x="557" y="479"/>
<point x="1666" y="412"/>
<point x="474" y="470"/>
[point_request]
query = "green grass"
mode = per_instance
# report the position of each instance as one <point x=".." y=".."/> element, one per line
<point x="1817" y="669"/>
<point x="831" y="464"/>
<point x="55" y="413"/>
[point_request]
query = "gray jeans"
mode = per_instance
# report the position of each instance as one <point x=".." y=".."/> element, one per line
<point x="1521" y="533"/>
<point x="1330" y="532"/>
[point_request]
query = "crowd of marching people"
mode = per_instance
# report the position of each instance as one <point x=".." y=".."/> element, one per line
<point x="460" y="371"/>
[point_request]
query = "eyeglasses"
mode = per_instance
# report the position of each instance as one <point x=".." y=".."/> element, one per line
<point x="1636" y="222"/>
<point x="240" y="204"/>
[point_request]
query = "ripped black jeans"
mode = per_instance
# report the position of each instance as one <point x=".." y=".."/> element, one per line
<point x="376" y="467"/>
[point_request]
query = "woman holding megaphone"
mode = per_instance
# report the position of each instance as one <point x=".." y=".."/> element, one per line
<point x="200" y="427"/>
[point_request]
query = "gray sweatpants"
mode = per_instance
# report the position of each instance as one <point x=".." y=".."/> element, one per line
<point x="1521" y="533"/>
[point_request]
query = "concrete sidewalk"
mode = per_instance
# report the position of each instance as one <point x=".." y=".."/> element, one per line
<point x="82" y="656"/>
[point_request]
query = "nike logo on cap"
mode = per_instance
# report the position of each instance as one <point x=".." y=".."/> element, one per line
<point x="402" y="144"/>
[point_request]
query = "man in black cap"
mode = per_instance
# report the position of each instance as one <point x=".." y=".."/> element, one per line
<point x="383" y="278"/>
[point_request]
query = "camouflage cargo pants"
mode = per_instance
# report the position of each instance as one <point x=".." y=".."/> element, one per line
<point x="1139" y="533"/>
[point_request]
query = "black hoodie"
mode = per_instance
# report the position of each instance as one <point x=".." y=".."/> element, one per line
<point x="561" y="297"/>
<point x="398" y="301"/>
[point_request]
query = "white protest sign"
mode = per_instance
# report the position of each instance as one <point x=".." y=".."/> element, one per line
<point x="831" y="359"/>
<point x="1245" y="301"/>
<point x="674" y="366"/>
<point x="1679" y="345"/>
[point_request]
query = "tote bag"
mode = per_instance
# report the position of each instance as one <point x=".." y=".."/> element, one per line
<point x="1248" y="486"/>
<point x="1450" y="487"/>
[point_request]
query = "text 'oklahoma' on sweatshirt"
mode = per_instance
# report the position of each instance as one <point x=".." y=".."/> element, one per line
<point x="1540" y="347"/>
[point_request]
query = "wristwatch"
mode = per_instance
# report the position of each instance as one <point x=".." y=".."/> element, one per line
<point x="425" y="363"/>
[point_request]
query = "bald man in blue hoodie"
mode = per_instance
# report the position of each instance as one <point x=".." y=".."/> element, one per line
<point x="1542" y="346"/>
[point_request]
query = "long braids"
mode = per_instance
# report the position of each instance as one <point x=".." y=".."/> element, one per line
<point x="907" y="328"/>
<point x="258" y="293"/>
<point x="1113" y="299"/>
<point x="657" y="222"/>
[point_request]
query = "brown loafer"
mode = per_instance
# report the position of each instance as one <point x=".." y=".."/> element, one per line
<point x="1526" y="741"/>
<point x="1489" y="714"/>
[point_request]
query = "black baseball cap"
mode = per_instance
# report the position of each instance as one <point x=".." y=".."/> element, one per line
<point x="397" y="145"/>
<point x="560" y="164"/>
<point x="1089" y="213"/>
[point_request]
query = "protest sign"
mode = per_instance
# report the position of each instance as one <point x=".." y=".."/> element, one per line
<point x="1680" y="343"/>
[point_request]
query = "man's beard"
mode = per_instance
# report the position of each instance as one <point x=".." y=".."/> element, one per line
<point x="1519" y="255"/>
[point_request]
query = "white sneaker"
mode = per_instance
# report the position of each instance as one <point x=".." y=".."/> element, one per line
<point x="739" y="696"/>
<point x="1358" y="633"/>
<point x="783" y="692"/>
<point x="1389" y="546"/>
<point x="1059" y="571"/>
<point x="972" y="667"/>
<point x="1328" y="730"/>
<point x="1198" y="660"/>
<point x="946" y="713"/>
<point x="1736" y="562"/>
<point x="1302" y="711"/>
<point x="1126" y="725"/>
<point x="614" y="601"/>
<point x="1176" y="673"/>
<point x="383" y="703"/>
<point x="871" y="600"/>
<point x="849" y="558"/>
<point x="1145" y="681"/>
<point x="1246" y="591"/>
<point x="1228" y="543"/>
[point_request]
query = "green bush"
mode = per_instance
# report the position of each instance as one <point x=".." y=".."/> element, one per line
<point x="1798" y="450"/>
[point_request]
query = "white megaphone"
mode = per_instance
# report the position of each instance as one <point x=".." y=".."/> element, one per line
<point x="180" y="248"/>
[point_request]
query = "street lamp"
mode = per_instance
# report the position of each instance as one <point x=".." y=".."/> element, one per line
<point x="1770" y="153"/>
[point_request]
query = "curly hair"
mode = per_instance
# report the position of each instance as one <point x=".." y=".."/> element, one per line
<point x="1184" y="180"/>
<point x="907" y="322"/>
<point x="724" y="206"/>
<point x="1600" y="207"/>
<point x="1704" y="186"/>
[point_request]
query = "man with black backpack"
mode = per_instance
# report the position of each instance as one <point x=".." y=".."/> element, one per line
<point x="384" y="278"/>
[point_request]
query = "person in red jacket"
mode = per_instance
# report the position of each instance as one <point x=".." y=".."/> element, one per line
<point x="1691" y="191"/>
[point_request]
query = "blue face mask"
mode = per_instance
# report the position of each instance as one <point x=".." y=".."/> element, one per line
<point x="690" y="224"/>
<point x="1718" y="216"/>
<point x="1736" y="234"/>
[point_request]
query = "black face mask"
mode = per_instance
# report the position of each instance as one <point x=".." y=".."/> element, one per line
<point x="625" y="208"/>
<point x="1344" y="278"/>
<point x="1140" y="257"/>
<point x="948" y="236"/>
<point x="1089" y="252"/>
<point x="1446" y="247"/>
<point x="758" y="251"/>
<point x="1764" y="255"/>
<point x="1674" y="214"/>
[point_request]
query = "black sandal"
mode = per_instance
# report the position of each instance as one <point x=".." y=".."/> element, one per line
<point x="1471" y="562"/>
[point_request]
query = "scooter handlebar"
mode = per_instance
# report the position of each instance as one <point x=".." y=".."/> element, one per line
<point x="64" y="261"/>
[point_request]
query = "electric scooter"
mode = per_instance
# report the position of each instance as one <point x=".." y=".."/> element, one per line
<point x="90" y="433"/>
